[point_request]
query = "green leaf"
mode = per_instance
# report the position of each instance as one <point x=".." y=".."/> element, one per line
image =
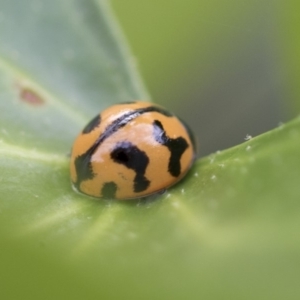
<point x="229" y="230"/>
<point x="61" y="62"/>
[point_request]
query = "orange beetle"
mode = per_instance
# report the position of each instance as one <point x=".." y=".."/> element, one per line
<point x="131" y="150"/>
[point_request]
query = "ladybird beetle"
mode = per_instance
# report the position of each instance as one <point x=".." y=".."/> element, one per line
<point x="131" y="150"/>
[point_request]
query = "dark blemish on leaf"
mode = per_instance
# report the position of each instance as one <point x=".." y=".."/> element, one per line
<point x="31" y="97"/>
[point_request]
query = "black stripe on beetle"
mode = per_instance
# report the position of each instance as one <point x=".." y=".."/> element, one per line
<point x="129" y="155"/>
<point x="176" y="147"/>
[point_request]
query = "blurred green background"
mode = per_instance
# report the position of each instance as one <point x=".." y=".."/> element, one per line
<point x="228" y="67"/>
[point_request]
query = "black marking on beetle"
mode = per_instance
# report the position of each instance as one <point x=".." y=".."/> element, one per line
<point x="95" y="122"/>
<point x="84" y="169"/>
<point x="109" y="190"/>
<point x="176" y="147"/>
<point x="129" y="155"/>
<point x="190" y="134"/>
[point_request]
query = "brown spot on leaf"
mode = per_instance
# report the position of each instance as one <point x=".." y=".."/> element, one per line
<point x="31" y="97"/>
